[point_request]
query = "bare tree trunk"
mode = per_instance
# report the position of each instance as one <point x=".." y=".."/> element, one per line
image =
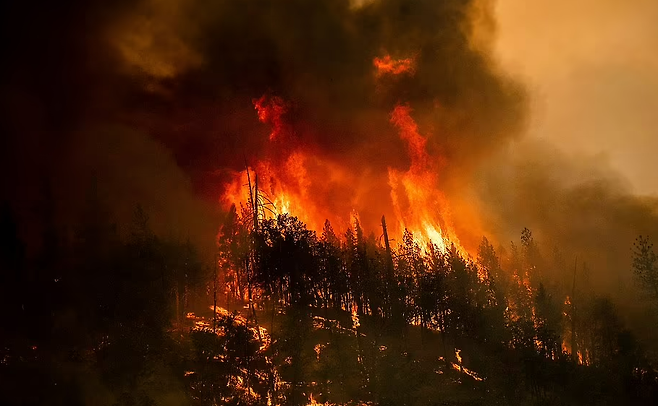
<point x="214" y="299"/>
<point x="250" y="261"/>
<point x="177" y="308"/>
<point x="574" y="345"/>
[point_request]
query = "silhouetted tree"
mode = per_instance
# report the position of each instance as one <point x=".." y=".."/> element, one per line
<point x="645" y="266"/>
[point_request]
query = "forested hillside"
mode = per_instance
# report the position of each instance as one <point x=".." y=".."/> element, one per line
<point x="327" y="202"/>
<point x="300" y="318"/>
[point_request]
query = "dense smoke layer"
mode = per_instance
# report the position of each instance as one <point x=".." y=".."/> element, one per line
<point x="318" y="57"/>
<point x="574" y="203"/>
<point x="155" y="100"/>
<point x="185" y="73"/>
<point x="594" y="76"/>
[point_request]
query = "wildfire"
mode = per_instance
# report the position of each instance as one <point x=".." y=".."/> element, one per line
<point x="388" y="65"/>
<point x="295" y="180"/>
<point x="355" y="317"/>
<point x="566" y="346"/>
<point x="260" y="331"/>
<point x="270" y="111"/>
<point x="458" y="356"/>
<point x="461" y="368"/>
<point x="426" y="207"/>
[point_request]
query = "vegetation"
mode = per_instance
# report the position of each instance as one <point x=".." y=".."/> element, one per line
<point x="328" y="318"/>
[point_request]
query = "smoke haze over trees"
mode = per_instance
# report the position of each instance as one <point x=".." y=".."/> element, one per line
<point x="123" y="123"/>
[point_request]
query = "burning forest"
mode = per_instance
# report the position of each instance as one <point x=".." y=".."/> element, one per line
<point x="296" y="202"/>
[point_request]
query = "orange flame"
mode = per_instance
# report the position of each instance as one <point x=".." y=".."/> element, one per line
<point x="300" y="183"/>
<point x="286" y="187"/>
<point x="271" y="111"/>
<point x="390" y="66"/>
<point x="425" y="210"/>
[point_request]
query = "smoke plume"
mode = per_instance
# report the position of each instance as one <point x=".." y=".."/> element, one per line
<point x="156" y="99"/>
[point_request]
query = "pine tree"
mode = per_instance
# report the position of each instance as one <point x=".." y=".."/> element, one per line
<point x="645" y="266"/>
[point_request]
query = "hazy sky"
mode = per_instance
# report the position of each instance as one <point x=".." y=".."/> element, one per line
<point x="592" y="66"/>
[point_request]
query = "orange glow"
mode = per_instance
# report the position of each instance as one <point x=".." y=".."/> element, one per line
<point x="461" y="368"/>
<point x="458" y="355"/>
<point x="566" y="346"/>
<point x="270" y="111"/>
<point x="285" y="187"/>
<point x="297" y="180"/>
<point x="390" y="66"/>
<point x="355" y="317"/>
<point x="260" y="331"/>
<point x="401" y="118"/>
<point x="425" y="210"/>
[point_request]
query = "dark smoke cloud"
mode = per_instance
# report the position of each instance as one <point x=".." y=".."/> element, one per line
<point x="319" y="55"/>
<point x="154" y="100"/>
<point x="64" y="91"/>
<point x="185" y="73"/>
<point x="579" y="207"/>
<point x="594" y="81"/>
<point x="575" y="203"/>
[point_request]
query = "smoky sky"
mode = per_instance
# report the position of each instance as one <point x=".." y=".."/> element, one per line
<point x="92" y="79"/>
<point x="186" y="72"/>
<point x="593" y="71"/>
<point x="153" y="101"/>
<point x="212" y="58"/>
